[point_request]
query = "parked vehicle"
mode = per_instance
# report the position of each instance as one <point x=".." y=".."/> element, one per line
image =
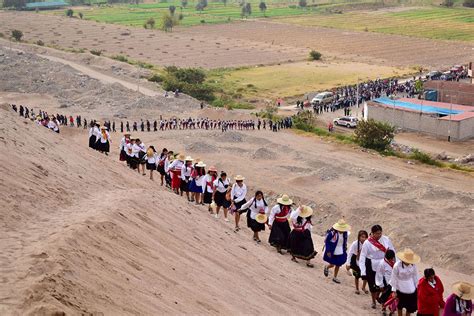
<point x="323" y="98"/>
<point x="347" y="121"/>
<point x="447" y="76"/>
<point x="457" y="69"/>
<point x="434" y="75"/>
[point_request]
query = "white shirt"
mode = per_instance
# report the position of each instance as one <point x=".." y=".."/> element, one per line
<point x="369" y="251"/>
<point x="404" y="278"/>
<point x="199" y="180"/>
<point x="305" y="224"/>
<point x="167" y="164"/>
<point x="96" y="132"/>
<point x="175" y="165"/>
<point x="255" y="208"/>
<point x="122" y="143"/>
<point x="152" y="159"/>
<point x="220" y="184"/>
<point x="186" y="171"/>
<point x="340" y="244"/>
<point x="129" y="149"/>
<point x="238" y="193"/>
<point x="353" y="251"/>
<point x="207" y="184"/>
<point x="136" y="149"/>
<point x="383" y="272"/>
<point x="274" y="212"/>
<point x="104" y="140"/>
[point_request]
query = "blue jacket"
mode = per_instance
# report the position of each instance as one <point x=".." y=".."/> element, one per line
<point x="330" y="245"/>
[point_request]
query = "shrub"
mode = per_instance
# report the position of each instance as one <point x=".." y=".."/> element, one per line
<point x="172" y="9"/>
<point x="180" y="17"/>
<point x="17" y="35"/>
<point x="263" y="7"/>
<point x="155" y="78"/>
<point x="81" y="15"/>
<point x="424" y="158"/>
<point x="374" y="135"/>
<point x="448" y="3"/>
<point x="121" y="58"/>
<point x="69" y="13"/>
<point x="189" y="81"/>
<point x="96" y="52"/>
<point x="468" y="3"/>
<point x="168" y="21"/>
<point x="184" y="3"/>
<point x="39" y="43"/>
<point x="302" y="3"/>
<point x="314" y="55"/>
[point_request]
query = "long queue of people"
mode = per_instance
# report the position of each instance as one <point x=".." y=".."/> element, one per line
<point x="391" y="277"/>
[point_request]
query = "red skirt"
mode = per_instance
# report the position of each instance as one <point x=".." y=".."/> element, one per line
<point x="175" y="179"/>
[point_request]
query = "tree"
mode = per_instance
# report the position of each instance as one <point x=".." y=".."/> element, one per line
<point x="314" y="55"/>
<point x="150" y="23"/>
<point x="17" y="35"/>
<point x="168" y="22"/>
<point x="69" y="13"/>
<point x="302" y="3"/>
<point x="224" y="2"/>
<point x="374" y="135"/>
<point x="180" y="17"/>
<point x="184" y="3"/>
<point x="248" y="8"/>
<point x="81" y="15"/>
<point x="263" y="7"/>
<point x="448" y="3"/>
<point x="468" y="3"/>
<point x="172" y="9"/>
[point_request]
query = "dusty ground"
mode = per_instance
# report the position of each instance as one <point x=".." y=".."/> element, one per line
<point x="236" y="44"/>
<point x="81" y="233"/>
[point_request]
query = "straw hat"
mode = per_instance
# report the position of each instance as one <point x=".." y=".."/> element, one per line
<point x="341" y="226"/>
<point x="103" y="127"/>
<point x="306" y="211"/>
<point x="213" y="206"/>
<point x="181" y="157"/>
<point x="261" y="218"/>
<point x="284" y="200"/>
<point x="200" y="164"/>
<point x="127" y="134"/>
<point x="188" y="158"/>
<point x="239" y="178"/>
<point x="463" y="290"/>
<point x="212" y="168"/>
<point x="408" y="256"/>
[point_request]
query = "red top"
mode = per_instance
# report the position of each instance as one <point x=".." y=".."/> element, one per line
<point x="430" y="299"/>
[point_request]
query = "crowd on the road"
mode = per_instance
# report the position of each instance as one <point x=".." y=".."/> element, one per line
<point x="391" y="277"/>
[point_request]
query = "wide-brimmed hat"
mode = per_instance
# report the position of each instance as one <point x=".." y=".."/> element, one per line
<point x="408" y="256"/>
<point x="284" y="200"/>
<point x="305" y="211"/>
<point x="463" y="290"/>
<point x="181" y="157"/>
<point x="188" y="158"/>
<point x="103" y="127"/>
<point x="239" y="178"/>
<point x="200" y="164"/>
<point x="261" y="218"/>
<point x="342" y="226"/>
<point x="212" y="168"/>
<point x="127" y="134"/>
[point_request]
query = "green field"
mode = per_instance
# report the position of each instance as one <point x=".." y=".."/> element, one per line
<point x="429" y="22"/>
<point x="215" y="12"/>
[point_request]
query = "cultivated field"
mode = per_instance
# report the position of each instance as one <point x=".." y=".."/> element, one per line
<point x="431" y="22"/>
<point x="294" y="79"/>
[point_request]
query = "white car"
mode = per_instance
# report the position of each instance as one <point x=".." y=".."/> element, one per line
<point x="323" y="98"/>
<point x="347" y="121"/>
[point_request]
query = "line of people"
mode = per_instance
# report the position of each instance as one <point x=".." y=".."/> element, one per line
<point x="391" y="277"/>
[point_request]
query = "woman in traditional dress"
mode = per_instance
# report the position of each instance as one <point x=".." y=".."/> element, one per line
<point x="208" y="186"/>
<point x="371" y="255"/>
<point x="278" y="223"/>
<point x="186" y="171"/>
<point x="353" y="260"/>
<point x="161" y="164"/>
<point x="335" y="248"/>
<point x="92" y="135"/>
<point x="300" y="242"/>
<point x="104" y="141"/>
<point x="221" y="187"/>
<point x="175" y="169"/>
<point x="430" y="294"/>
<point x="132" y="163"/>
<point x="404" y="281"/>
<point x="256" y="214"/>
<point x="123" y="144"/>
<point x="195" y="187"/>
<point x="151" y="159"/>
<point x="460" y="302"/>
<point x="238" y="194"/>
<point x="169" y="159"/>
<point x="138" y="155"/>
